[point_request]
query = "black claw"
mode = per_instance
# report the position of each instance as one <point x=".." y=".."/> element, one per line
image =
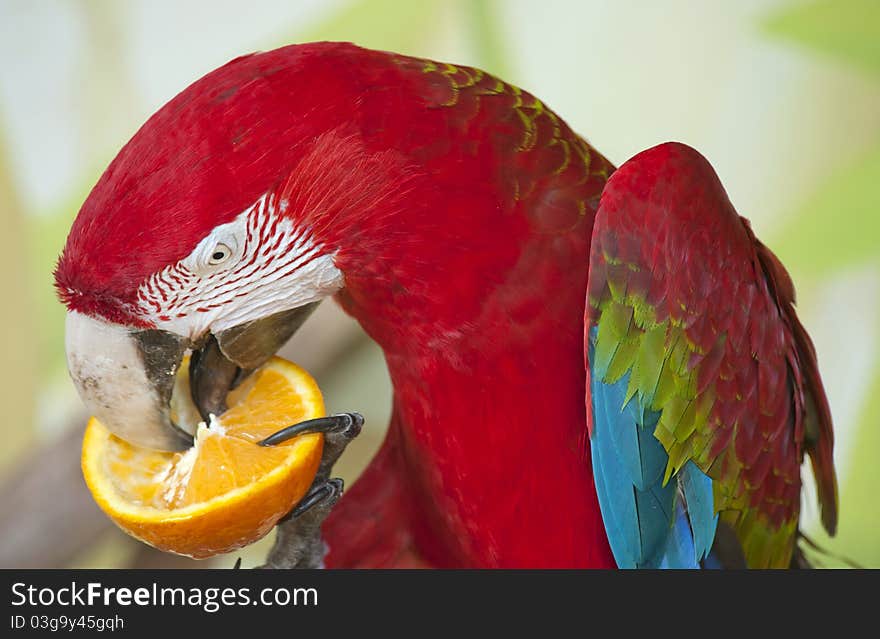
<point x="327" y="491"/>
<point x="237" y="564"/>
<point x="346" y="423"/>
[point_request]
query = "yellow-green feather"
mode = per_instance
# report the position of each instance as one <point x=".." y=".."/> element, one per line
<point x="658" y="357"/>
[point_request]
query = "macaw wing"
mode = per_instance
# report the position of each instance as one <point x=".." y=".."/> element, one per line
<point x="703" y="392"/>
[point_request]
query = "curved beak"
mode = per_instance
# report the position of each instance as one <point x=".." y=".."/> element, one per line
<point x="126" y="377"/>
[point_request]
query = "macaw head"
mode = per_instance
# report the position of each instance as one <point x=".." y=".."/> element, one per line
<point x="217" y="229"/>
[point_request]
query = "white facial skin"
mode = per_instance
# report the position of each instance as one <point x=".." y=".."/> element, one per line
<point x="257" y="265"/>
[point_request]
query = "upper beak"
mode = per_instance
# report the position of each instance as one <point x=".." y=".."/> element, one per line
<point x="126" y="376"/>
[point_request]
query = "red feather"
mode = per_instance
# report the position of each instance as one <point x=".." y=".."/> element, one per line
<point x="459" y="210"/>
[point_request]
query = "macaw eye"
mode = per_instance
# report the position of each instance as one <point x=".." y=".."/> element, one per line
<point x="220" y="254"/>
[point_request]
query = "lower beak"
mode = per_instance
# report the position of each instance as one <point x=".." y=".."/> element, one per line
<point x="126" y="377"/>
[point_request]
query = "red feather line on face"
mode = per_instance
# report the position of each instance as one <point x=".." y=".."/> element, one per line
<point x="164" y="295"/>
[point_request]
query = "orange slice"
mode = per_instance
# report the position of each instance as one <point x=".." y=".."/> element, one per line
<point x="226" y="491"/>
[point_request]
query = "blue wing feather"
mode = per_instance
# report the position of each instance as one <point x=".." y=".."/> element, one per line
<point x="649" y="525"/>
<point x="700" y="500"/>
<point x="680" y="552"/>
<point x="611" y="478"/>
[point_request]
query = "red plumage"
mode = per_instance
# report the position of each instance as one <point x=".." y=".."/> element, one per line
<point x="665" y="215"/>
<point x="460" y="211"/>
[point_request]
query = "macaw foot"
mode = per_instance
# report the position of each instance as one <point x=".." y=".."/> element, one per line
<point x="299" y="543"/>
<point x="318" y="497"/>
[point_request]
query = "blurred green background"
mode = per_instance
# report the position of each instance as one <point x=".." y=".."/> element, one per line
<point x="783" y="98"/>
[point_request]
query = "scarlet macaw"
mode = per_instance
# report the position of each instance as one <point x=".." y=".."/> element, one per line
<point x="460" y="221"/>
